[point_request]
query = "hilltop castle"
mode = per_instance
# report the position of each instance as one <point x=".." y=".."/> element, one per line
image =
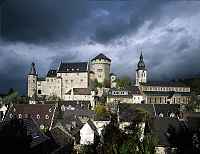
<point x="75" y="82"/>
<point x="77" y="77"/>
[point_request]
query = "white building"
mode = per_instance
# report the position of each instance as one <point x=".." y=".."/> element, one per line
<point x="88" y="133"/>
<point x="132" y="96"/>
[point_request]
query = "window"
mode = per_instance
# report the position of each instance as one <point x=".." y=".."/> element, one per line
<point x="99" y="70"/>
<point x="161" y="115"/>
<point x="39" y="92"/>
<point x="38" y="116"/>
<point x="10" y="115"/>
<point x="172" y="115"/>
<point x="25" y="115"/>
<point x="81" y="80"/>
<point x="19" y="116"/>
<point x="46" y="116"/>
<point x="42" y="126"/>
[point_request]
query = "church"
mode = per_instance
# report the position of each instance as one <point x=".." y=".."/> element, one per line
<point x="160" y="92"/>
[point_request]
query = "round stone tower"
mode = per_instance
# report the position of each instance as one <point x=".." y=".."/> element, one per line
<point x="32" y="81"/>
<point x="141" y="72"/>
<point x="100" y="65"/>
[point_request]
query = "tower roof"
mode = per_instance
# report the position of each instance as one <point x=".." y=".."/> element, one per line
<point x="33" y="70"/>
<point x="101" y="56"/>
<point x="141" y="65"/>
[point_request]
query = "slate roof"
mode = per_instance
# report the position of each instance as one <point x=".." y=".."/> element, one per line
<point x="33" y="110"/>
<point x="38" y="137"/>
<point x="167" y="109"/>
<point x="101" y="56"/>
<point x="33" y="70"/>
<point x="52" y="73"/>
<point x="80" y="91"/>
<point x="141" y="65"/>
<point x="165" y="93"/>
<point x="41" y="79"/>
<point x="76" y="104"/>
<point x="78" y="112"/>
<point x="73" y="67"/>
<point x="165" y="84"/>
<point x="61" y="136"/>
<point x="127" y="112"/>
<point x="33" y="130"/>
<point x="160" y="127"/>
<point x="193" y="120"/>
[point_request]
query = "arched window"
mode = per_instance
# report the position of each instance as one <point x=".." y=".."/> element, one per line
<point x="11" y="116"/>
<point x="46" y="116"/>
<point x="19" y="116"/>
<point x="38" y="116"/>
<point x="172" y="115"/>
<point x="41" y="126"/>
<point x="161" y="114"/>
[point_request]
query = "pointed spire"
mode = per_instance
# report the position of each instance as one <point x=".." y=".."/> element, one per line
<point x="141" y="65"/>
<point x="141" y="56"/>
<point x="33" y="70"/>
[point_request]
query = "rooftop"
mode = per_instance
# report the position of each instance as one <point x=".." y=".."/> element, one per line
<point x="73" y="67"/>
<point x="101" y="56"/>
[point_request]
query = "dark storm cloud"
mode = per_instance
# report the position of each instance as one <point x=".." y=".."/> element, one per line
<point x="13" y="70"/>
<point x="48" y="31"/>
<point x="41" y="20"/>
<point x="127" y="18"/>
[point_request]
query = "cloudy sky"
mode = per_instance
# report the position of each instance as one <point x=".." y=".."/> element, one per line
<point x="48" y="31"/>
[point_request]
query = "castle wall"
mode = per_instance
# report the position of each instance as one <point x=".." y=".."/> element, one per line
<point x="73" y="80"/>
<point x="50" y="86"/>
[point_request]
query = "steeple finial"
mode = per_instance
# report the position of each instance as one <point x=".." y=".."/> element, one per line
<point x="33" y="70"/>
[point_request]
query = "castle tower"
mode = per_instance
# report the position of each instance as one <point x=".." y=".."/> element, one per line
<point x="141" y="72"/>
<point x="32" y="81"/>
<point x="100" y="65"/>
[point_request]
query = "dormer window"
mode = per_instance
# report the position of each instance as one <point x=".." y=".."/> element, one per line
<point x="11" y="116"/>
<point x="38" y="116"/>
<point x="46" y="116"/>
<point x="172" y="115"/>
<point x="41" y="126"/>
<point x="20" y="116"/>
<point x="161" y="115"/>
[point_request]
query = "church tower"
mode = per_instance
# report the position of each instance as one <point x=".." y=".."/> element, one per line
<point x="141" y="72"/>
<point x="32" y="81"/>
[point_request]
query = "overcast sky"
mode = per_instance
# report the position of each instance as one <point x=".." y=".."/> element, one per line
<point x="48" y="31"/>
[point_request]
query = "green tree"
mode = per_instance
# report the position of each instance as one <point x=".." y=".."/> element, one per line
<point x="53" y="98"/>
<point x="124" y="82"/>
<point x="101" y="111"/>
<point x="194" y="103"/>
<point x="97" y="84"/>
